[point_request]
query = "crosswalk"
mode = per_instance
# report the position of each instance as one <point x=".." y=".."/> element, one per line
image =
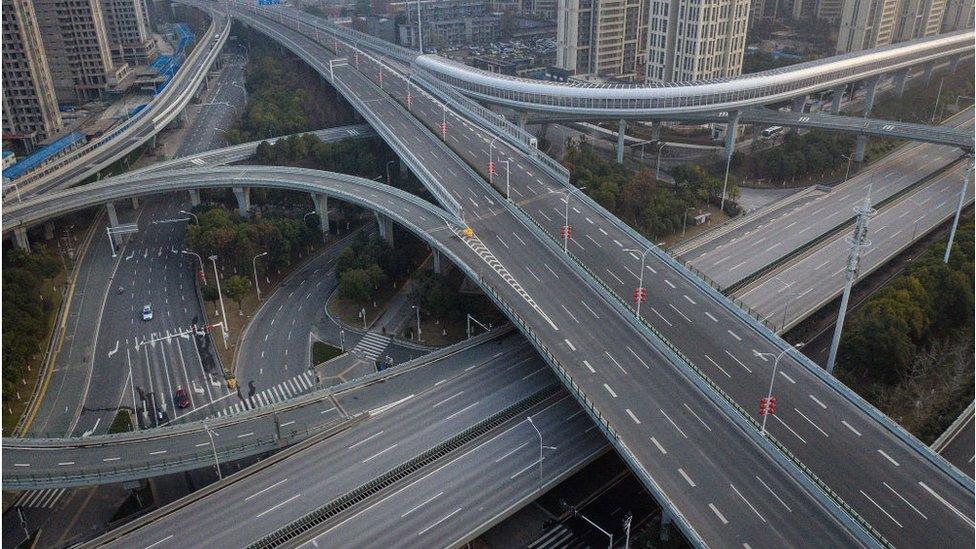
<point x="42" y="499"/>
<point x="287" y="389"/>
<point x="371" y="345"/>
<point x="558" y="537"/>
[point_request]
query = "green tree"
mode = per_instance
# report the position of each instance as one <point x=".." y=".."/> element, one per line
<point x="356" y="285"/>
<point x="209" y="293"/>
<point x="236" y="287"/>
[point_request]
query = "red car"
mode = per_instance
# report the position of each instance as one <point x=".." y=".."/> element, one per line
<point x="182" y="400"/>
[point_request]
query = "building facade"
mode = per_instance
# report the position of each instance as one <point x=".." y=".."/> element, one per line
<point x="866" y="24"/>
<point x="77" y="46"/>
<point x="959" y="15"/>
<point x="602" y="37"/>
<point x="696" y="39"/>
<point x="918" y="19"/>
<point x="127" y="27"/>
<point x="30" y="106"/>
<point x="447" y="23"/>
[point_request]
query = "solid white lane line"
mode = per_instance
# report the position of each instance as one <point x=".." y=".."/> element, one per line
<point x="848" y="425"/>
<point x="439" y="494"/>
<point x="658" y="444"/>
<point x="167" y="538"/>
<point x="638" y="357"/>
<point x="882" y="509"/>
<point x="263" y="490"/>
<point x="889" y="458"/>
<point x="783" y="503"/>
<point x="455" y="395"/>
<point x="717" y="513"/>
<point x="266" y="511"/>
<point x="380" y="453"/>
<point x="815" y="426"/>
<point x="666" y="416"/>
<point x="571" y="315"/>
<point x="245" y="435"/>
<point x="668" y="322"/>
<point x="905" y="500"/>
<point x="461" y="411"/>
<point x="679" y="312"/>
<point x="697" y="417"/>
<point x="739" y="362"/>
<point x="527" y="467"/>
<point x="686" y="477"/>
<point x="717" y="366"/>
<point x="738" y="493"/>
<point x="615" y="362"/>
<point x="783" y="423"/>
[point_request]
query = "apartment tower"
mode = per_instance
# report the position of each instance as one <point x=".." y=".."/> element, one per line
<point x="959" y="15"/>
<point x="30" y="107"/>
<point x="602" y="37"/>
<point x="127" y="28"/>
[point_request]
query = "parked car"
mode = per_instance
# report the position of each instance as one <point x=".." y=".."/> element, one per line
<point x="147" y="312"/>
<point x="181" y="399"/>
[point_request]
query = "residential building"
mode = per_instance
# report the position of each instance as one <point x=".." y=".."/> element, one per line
<point x="829" y="10"/>
<point x="77" y="46"/>
<point x="30" y="106"/>
<point x="602" y="37"/>
<point x="866" y="24"/>
<point x="447" y="22"/>
<point x="691" y="40"/>
<point x="127" y="27"/>
<point x="959" y="15"/>
<point x="918" y="19"/>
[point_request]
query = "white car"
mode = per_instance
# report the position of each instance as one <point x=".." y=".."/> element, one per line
<point x="147" y="313"/>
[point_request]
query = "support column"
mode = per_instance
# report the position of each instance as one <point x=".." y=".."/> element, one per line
<point x="135" y="202"/>
<point x="436" y="264"/>
<point x="522" y="119"/>
<point x="730" y="129"/>
<point x="321" y="203"/>
<point x="386" y="227"/>
<point x="666" y="522"/>
<point x="194" y="197"/>
<point x="799" y="103"/>
<point x="621" y="134"/>
<point x="859" y="145"/>
<point x="113" y="218"/>
<point x="953" y="63"/>
<point x="20" y="238"/>
<point x="655" y="130"/>
<point x="837" y="98"/>
<point x="49" y="230"/>
<point x="870" y="93"/>
<point x="901" y="78"/>
<point x="243" y="196"/>
<point x="404" y="171"/>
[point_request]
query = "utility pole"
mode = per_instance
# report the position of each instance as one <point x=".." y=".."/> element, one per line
<point x="962" y="200"/>
<point x="857" y="241"/>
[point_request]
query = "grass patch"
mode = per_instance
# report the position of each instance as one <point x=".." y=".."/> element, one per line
<point x="323" y="352"/>
<point x="122" y="422"/>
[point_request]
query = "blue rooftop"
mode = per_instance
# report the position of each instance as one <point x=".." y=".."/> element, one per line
<point x="28" y="163"/>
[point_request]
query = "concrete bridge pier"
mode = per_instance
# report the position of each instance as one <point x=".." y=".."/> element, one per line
<point x="901" y="78"/>
<point x="666" y="522"/>
<point x="21" y="240"/>
<point x="837" y="98"/>
<point x="859" y="145"/>
<point x="135" y="202"/>
<point x="194" y="197"/>
<point x="49" y="230"/>
<point x="621" y="135"/>
<point x="113" y="218"/>
<point x="954" y="63"/>
<point x="404" y="170"/>
<point x="870" y="93"/>
<point x="655" y="130"/>
<point x="730" y="130"/>
<point x="927" y="74"/>
<point x="522" y="119"/>
<point x="243" y="196"/>
<point x="799" y="103"/>
<point x="436" y="262"/>
<point x="386" y="228"/>
<point x="321" y="203"/>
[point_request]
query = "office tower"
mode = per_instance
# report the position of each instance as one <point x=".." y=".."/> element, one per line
<point x="866" y="24"/>
<point x="602" y="37"/>
<point x="696" y="39"/>
<point x="78" y="53"/>
<point x="127" y="27"/>
<point x="959" y="15"/>
<point x="30" y="107"/>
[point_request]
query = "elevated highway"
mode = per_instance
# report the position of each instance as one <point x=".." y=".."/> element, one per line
<point x="163" y="109"/>
<point x="535" y="196"/>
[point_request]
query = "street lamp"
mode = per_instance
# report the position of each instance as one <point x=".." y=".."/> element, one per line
<point x="962" y="200"/>
<point x="541" y="448"/>
<point x="849" y="159"/>
<point x="769" y="394"/>
<point x="684" y="223"/>
<point x="786" y="286"/>
<point x="640" y="294"/>
<point x="220" y="296"/>
<point x="213" y="447"/>
<point x="576" y="513"/>
<point x="417" y="309"/>
<point x="566" y="229"/>
<point x="491" y="161"/>
<point x="508" y="179"/>
<point x="188" y="252"/>
<point x="254" y="267"/>
<point x="388" y="180"/>
<point x="195" y="218"/>
<point x="657" y="169"/>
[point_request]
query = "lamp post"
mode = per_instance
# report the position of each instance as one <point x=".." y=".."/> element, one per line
<point x="491" y="161"/>
<point x="772" y="378"/>
<point x="962" y="200"/>
<point x="200" y="259"/>
<point x="213" y="447"/>
<point x="657" y="168"/>
<point x="254" y="268"/>
<point x="195" y="218"/>
<point x="388" y="179"/>
<point x="417" y="309"/>
<point x="684" y="223"/>
<point x="220" y="296"/>
<point x="541" y="448"/>
<point x="640" y="294"/>
<point x="850" y="158"/>
<point x="566" y="229"/>
<point x="576" y="513"/>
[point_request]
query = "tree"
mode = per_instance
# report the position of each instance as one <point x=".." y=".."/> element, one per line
<point x="236" y="287"/>
<point x="209" y="293"/>
<point x="356" y="285"/>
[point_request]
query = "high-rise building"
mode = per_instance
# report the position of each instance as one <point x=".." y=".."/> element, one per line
<point x="866" y="24"/>
<point x="77" y="47"/>
<point x="918" y="18"/>
<point x="30" y="107"/>
<point x="959" y="15"/>
<point x="446" y="23"/>
<point x="696" y="39"/>
<point x="602" y="37"/>
<point x="127" y="27"/>
<point x="829" y="10"/>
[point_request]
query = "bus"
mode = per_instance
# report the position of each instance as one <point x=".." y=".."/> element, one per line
<point x="771" y="131"/>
